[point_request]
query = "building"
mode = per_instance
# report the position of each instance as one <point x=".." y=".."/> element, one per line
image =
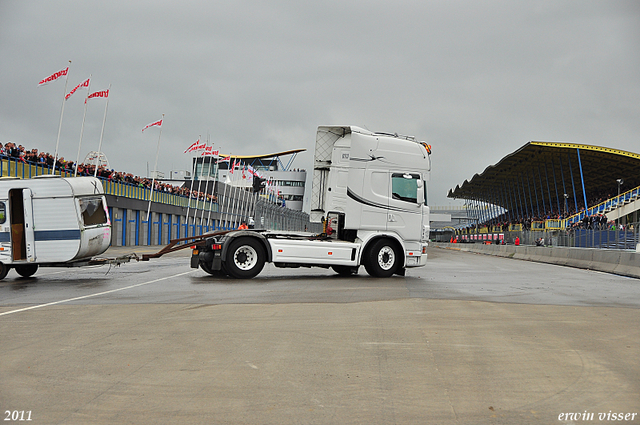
<point x="285" y="182"/>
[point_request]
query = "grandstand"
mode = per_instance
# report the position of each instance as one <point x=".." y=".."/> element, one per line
<point x="554" y="186"/>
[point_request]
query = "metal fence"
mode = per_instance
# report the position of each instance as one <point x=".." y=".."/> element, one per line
<point x="233" y="205"/>
<point x="624" y="237"/>
<point x="271" y="216"/>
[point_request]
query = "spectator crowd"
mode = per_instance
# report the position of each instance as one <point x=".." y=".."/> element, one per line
<point x="9" y="150"/>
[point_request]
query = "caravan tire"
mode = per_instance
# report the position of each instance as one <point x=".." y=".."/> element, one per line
<point x="27" y="270"/>
<point x="3" y="270"/>
<point x="245" y="258"/>
<point x="382" y="258"/>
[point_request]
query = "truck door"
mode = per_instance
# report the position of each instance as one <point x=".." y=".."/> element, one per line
<point x="405" y="207"/>
<point x="21" y="218"/>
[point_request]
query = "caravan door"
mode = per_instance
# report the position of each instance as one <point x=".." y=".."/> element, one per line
<point x="21" y="218"/>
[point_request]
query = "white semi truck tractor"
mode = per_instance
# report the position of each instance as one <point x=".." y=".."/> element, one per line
<point x="369" y="190"/>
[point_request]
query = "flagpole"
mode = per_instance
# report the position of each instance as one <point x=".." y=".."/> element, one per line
<point x="224" y="195"/>
<point x="234" y="206"/>
<point x="155" y="171"/>
<point x="233" y="195"/>
<point x="245" y="203"/>
<point x="84" y="115"/>
<point x="195" y="210"/>
<point x="104" y="119"/>
<point x="206" y="185"/>
<point x="213" y="191"/>
<point x="55" y="158"/>
<point x="193" y="176"/>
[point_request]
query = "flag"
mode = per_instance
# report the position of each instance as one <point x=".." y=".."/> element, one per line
<point x="196" y="146"/>
<point x="103" y="93"/>
<point x="54" y="76"/>
<point x="226" y="158"/>
<point x="244" y="176"/>
<point x="83" y="85"/>
<point x="253" y="171"/>
<point x="158" y="123"/>
<point x="208" y="151"/>
<point x="233" y="167"/>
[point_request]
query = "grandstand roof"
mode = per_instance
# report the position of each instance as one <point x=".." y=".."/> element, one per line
<point x="541" y="167"/>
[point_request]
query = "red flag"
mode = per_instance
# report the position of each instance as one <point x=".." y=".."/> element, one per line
<point x="226" y="159"/>
<point x="82" y="85"/>
<point x="196" y="146"/>
<point x="208" y="151"/>
<point x="158" y="123"/>
<point x="54" y="76"/>
<point x="103" y="93"/>
<point x="232" y="167"/>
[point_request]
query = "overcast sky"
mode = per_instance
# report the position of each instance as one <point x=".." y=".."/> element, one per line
<point x="476" y="80"/>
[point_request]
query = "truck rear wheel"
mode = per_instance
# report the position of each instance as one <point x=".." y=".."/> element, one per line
<point x="382" y="259"/>
<point x="3" y="270"/>
<point x="26" y="270"/>
<point x="245" y="258"/>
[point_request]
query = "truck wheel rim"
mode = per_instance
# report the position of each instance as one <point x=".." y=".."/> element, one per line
<point x="245" y="257"/>
<point x="386" y="258"/>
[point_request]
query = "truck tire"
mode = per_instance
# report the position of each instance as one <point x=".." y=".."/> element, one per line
<point x="345" y="270"/>
<point x="382" y="258"/>
<point x="3" y="270"/>
<point x="245" y="258"/>
<point x="26" y="270"/>
<point x="208" y="269"/>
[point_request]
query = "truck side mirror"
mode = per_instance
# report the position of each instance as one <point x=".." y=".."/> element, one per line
<point x="420" y="193"/>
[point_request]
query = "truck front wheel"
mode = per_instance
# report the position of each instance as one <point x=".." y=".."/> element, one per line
<point x="382" y="259"/>
<point x="245" y="258"/>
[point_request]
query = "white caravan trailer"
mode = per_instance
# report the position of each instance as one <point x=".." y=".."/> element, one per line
<point x="51" y="221"/>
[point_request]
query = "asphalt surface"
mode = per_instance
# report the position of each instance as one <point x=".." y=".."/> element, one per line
<point x="469" y="339"/>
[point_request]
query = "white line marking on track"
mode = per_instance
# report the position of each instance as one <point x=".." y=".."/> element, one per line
<point x="94" y="295"/>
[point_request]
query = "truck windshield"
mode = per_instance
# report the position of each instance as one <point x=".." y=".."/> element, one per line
<point x="92" y="211"/>
<point x="404" y="187"/>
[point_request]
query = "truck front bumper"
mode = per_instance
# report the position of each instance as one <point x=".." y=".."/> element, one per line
<point x="416" y="258"/>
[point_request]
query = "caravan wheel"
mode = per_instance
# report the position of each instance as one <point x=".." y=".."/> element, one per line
<point x="3" y="270"/>
<point x="26" y="270"/>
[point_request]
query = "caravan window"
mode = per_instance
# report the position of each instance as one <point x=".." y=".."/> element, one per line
<point x="3" y="212"/>
<point x="404" y="187"/>
<point x="92" y="211"/>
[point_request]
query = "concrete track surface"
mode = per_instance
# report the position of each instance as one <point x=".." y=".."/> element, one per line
<point x="469" y="339"/>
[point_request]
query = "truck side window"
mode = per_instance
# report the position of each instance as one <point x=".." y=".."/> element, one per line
<point x="404" y="187"/>
<point x="92" y="211"/>
<point x="3" y="212"/>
